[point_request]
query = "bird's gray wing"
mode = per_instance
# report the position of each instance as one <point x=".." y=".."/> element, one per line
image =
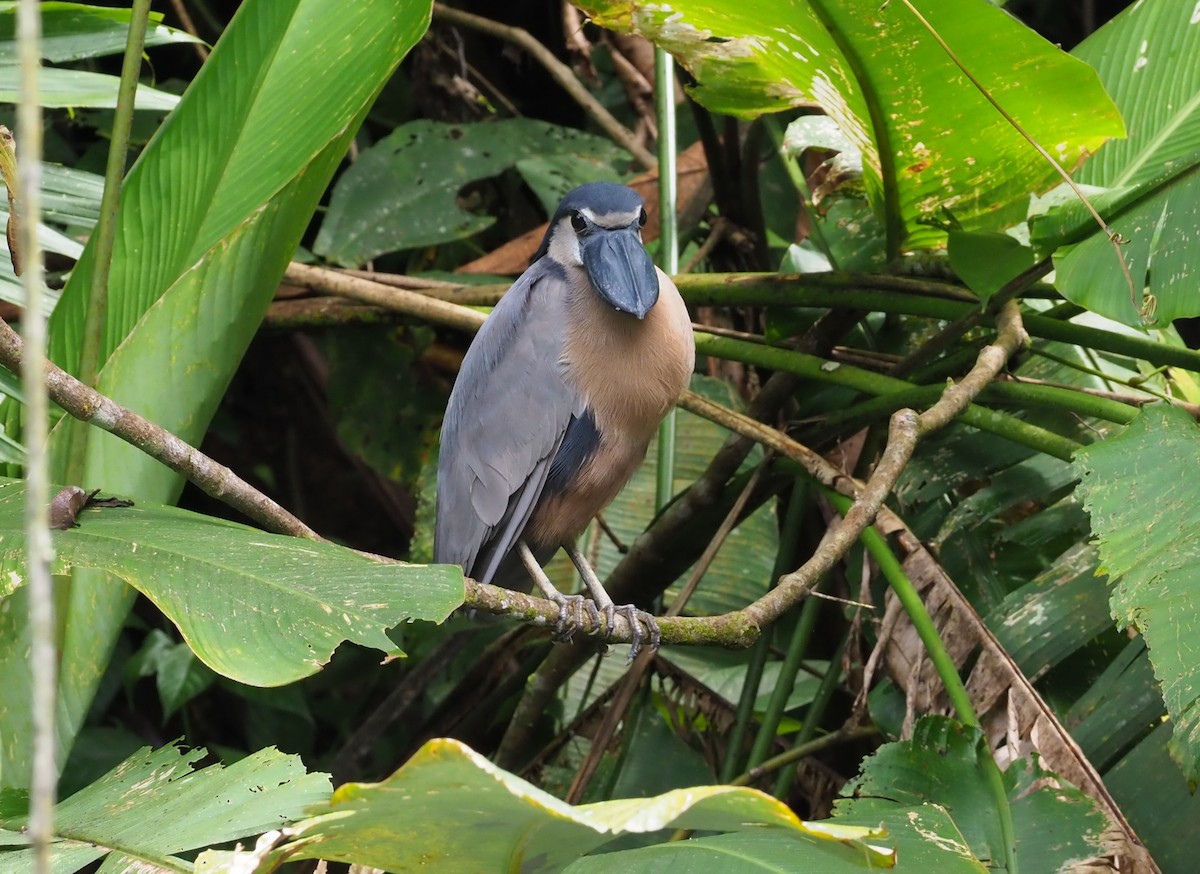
<point x="507" y="415"/>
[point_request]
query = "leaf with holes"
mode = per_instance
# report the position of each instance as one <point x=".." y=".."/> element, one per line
<point x="935" y="152"/>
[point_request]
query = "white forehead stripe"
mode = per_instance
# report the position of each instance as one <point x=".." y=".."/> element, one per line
<point x="612" y="219"/>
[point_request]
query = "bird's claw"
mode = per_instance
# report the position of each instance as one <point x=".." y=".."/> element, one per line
<point x="570" y="616"/>
<point x="636" y="619"/>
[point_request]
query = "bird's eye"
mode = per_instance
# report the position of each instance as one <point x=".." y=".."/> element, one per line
<point x="642" y="218"/>
<point x="578" y="222"/>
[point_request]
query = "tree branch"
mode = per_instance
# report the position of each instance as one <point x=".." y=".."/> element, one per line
<point x="216" y="480"/>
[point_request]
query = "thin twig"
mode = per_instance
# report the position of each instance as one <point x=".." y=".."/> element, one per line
<point x="618" y="544"/>
<point x="560" y="72"/>
<point x="185" y="19"/>
<point x="907" y="428"/>
<point x="1191" y="409"/>
<point x="720" y="229"/>
<point x="718" y="540"/>
<point x="619" y="705"/>
<point x="399" y="280"/>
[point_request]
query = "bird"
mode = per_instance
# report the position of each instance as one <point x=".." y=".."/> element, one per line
<point x="556" y="402"/>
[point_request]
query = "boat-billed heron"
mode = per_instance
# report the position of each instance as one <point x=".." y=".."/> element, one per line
<point x="557" y="400"/>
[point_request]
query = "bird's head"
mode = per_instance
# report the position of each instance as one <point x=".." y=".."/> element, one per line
<point x="598" y="227"/>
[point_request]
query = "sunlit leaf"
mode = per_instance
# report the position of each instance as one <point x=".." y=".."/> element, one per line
<point x="71" y="31"/>
<point x="931" y="143"/>
<point x="420" y="815"/>
<point x="75" y="88"/>
<point x="210" y="215"/>
<point x="1146" y="57"/>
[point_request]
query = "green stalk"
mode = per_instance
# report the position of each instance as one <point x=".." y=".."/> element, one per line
<point x="816" y="712"/>
<point x="797" y="649"/>
<point x="956" y="691"/>
<point x="812" y="367"/>
<point x="1057" y="398"/>
<point x="668" y="245"/>
<point x="1024" y="394"/>
<point x="911" y="601"/>
<point x="785" y="560"/>
<point x="904" y="295"/>
<point x="106" y="229"/>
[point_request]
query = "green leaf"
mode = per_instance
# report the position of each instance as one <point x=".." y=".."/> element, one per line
<point x="72" y="31"/>
<point x="67" y="89"/>
<point x="1053" y="822"/>
<point x="154" y="805"/>
<point x="419" y="816"/>
<point x="259" y="608"/>
<point x="931" y="143"/>
<point x="1054" y="614"/>
<point x="1117" y="709"/>
<point x="403" y="191"/>
<point x="988" y="262"/>
<point x="1146" y="58"/>
<point x="1139" y="489"/>
<point x="1162" y="807"/>
<point x="924" y="837"/>
<point x="369" y="363"/>
<point x="210" y="214"/>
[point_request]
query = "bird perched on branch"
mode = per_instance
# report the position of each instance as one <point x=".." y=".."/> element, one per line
<point x="557" y="400"/>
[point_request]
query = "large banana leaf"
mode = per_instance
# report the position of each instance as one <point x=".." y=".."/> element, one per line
<point x="210" y="215"/>
<point x="933" y="148"/>
<point x="1140" y="491"/>
<point x="1146" y="57"/>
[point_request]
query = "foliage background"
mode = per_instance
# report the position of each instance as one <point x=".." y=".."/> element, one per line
<point x="461" y="149"/>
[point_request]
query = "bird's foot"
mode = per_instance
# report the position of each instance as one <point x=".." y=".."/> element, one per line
<point x="636" y="619"/>
<point x="570" y="615"/>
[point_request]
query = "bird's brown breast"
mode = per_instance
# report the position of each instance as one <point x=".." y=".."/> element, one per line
<point x="630" y="373"/>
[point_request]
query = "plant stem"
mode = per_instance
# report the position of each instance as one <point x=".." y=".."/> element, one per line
<point x="106" y="228"/>
<point x="559" y="72"/>
<point x="797" y="648"/>
<point x="816" y="712"/>
<point x="922" y="622"/>
<point x="785" y="559"/>
<point x="812" y="367"/>
<point x="802" y="751"/>
<point x="43" y="659"/>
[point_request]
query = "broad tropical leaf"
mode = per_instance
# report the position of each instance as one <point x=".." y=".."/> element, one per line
<point x="72" y="31"/>
<point x="68" y="89"/>
<point x="1053" y="824"/>
<point x="403" y="191"/>
<point x="419" y="816"/>
<point x="932" y="147"/>
<point x="1146" y="57"/>
<point x="210" y="215"/>
<point x="154" y="805"/>
<point x="1140" y="490"/>
<point x="259" y="608"/>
